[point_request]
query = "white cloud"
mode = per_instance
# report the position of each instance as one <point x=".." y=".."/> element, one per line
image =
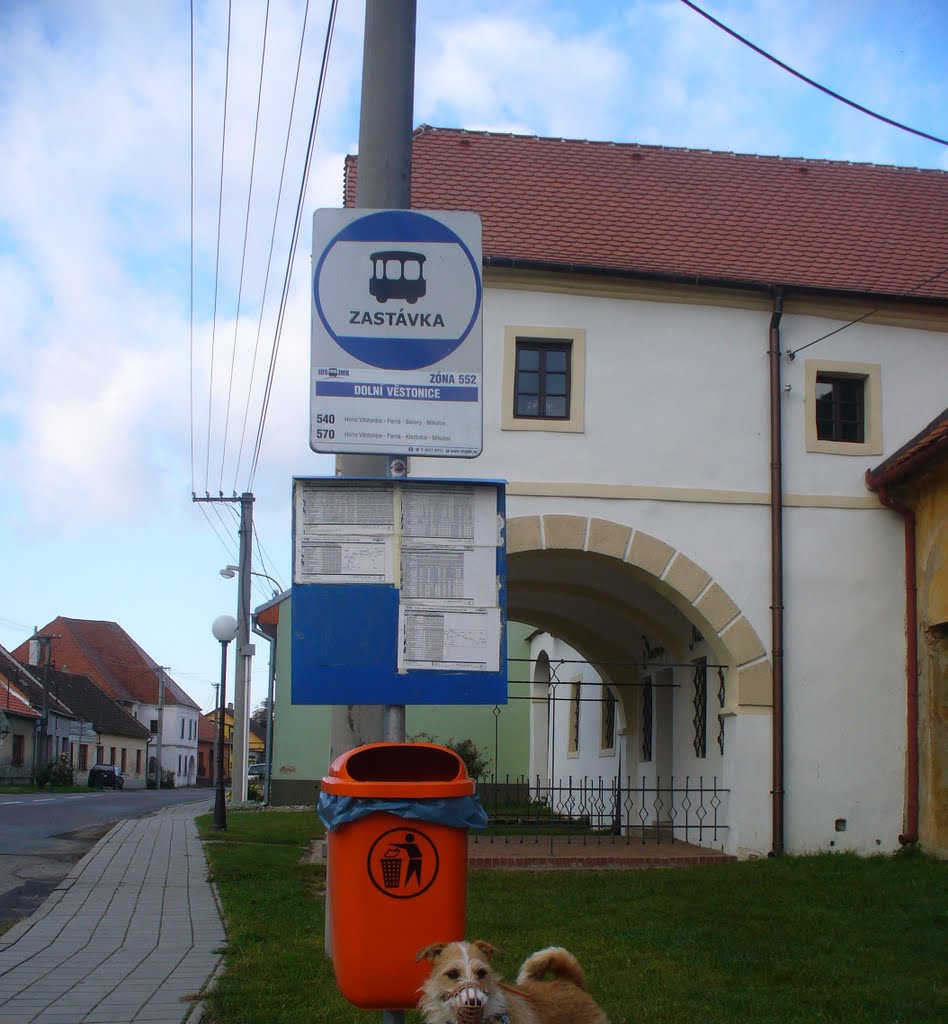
<point x="498" y="72"/>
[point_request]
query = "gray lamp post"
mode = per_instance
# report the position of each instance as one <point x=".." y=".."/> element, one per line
<point x="224" y="630"/>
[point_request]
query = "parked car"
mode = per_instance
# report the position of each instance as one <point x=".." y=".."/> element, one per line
<point x="106" y="775"/>
<point x="257" y="771"/>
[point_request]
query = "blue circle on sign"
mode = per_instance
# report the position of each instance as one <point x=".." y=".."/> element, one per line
<point x="394" y="227"/>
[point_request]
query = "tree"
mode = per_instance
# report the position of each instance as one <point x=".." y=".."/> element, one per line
<point x="259" y="713"/>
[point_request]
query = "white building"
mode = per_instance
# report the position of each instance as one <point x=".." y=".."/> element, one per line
<point x="691" y="359"/>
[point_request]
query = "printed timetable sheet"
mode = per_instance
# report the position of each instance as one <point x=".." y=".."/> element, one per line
<point x="437" y="545"/>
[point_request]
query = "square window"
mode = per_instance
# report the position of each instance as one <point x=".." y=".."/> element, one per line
<point x="840" y="408"/>
<point x="542" y="388"/>
<point x="543" y="379"/>
<point x="843" y="408"/>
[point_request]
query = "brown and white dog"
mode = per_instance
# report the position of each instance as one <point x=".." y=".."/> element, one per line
<point x="464" y="989"/>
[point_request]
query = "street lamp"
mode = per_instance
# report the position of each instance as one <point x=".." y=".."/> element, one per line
<point x="224" y="630"/>
<point x="230" y="571"/>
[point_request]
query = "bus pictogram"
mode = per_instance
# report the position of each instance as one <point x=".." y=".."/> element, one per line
<point x="397" y="274"/>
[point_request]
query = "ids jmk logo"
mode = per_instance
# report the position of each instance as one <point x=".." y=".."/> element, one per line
<point x="403" y="863"/>
<point x="397" y="274"/>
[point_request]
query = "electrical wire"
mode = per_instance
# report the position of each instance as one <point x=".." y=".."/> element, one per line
<point x="220" y="213"/>
<point x="210" y="522"/>
<point x="265" y="560"/>
<point x="243" y="258"/>
<point x="810" y="81"/>
<point x="293" y="244"/>
<point x="191" y="302"/>
<point x="792" y="353"/>
<point x="276" y="214"/>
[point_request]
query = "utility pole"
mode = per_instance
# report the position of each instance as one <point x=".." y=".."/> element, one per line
<point x="384" y="183"/>
<point x="245" y="649"/>
<point x="160" y="669"/>
<point x="43" y="642"/>
<point x="245" y="652"/>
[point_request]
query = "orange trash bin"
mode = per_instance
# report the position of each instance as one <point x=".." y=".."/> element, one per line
<point x="398" y="815"/>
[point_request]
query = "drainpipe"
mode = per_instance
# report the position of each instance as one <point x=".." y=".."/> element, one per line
<point x="776" y="576"/>
<point x="910" y="835"/>
<point x="271" y="677"/>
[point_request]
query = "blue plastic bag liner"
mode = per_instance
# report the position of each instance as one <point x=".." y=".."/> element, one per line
<point x="454" y="811"/>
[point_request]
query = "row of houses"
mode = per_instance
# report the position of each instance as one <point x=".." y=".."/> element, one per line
<point x="83" y="690"/>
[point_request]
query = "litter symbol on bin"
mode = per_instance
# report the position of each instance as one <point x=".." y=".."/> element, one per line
<point x="403" y="863"/>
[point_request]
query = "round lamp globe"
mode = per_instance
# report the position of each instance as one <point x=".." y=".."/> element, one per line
<point x="224" y="628"/>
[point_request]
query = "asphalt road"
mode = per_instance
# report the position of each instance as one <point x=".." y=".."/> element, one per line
<point x="43" y="834"/>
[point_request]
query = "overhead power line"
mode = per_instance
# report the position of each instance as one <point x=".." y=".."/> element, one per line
<point x="266" y="277"/>
<point x="293" y="243"/>
<point x="217" y="268"/>
<point x="243" y="258"/>
<point x="810" y="81"/>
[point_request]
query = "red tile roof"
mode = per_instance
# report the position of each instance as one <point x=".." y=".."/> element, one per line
<point x="14" y="703"/>
<point x="110" y="657"/>
<point x="690" y="215"/>
<point x="915" y="456"/>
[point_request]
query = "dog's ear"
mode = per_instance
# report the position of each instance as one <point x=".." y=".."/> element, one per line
<point x="487" y="949"/>
<point x="431" y="952"/>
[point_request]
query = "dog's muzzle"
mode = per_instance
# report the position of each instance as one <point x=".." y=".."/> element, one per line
<point x="471" y="1002"/>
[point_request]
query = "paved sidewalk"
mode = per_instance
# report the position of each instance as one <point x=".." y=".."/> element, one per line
<point x="133" y="934"/>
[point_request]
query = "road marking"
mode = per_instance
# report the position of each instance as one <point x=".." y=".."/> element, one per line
<point x="7" y="803"/>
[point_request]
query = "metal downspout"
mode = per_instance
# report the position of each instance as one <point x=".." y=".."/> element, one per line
<point x="910" y="835"/>
<point x="271" y="677"/>
<point x="776" y="577"/>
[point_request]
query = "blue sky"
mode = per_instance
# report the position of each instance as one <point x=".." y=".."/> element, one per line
<point x="109" y="417"/>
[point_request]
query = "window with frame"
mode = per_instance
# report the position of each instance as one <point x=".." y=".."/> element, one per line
<point x="840" y="408"/>
<point x="19" y="748"/>
<point x="700" y="704"/>
<point x="574" y="707"/>
<point x="153" y="725"/>
<point x="843" y="407"/>
<point x="542" y="379"/>
<point x="609" y="710"/>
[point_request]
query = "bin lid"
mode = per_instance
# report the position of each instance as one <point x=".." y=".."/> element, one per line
<point x="400" y="770"/>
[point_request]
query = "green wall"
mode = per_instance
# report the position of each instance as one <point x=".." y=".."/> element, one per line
<point x="301" y="732"/>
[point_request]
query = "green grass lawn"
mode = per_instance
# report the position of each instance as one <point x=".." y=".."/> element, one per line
<point x="794" y="941"/>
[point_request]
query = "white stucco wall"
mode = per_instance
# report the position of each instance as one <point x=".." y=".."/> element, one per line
<point x="676" y="444"/>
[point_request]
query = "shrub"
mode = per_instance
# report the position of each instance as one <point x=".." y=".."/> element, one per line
<point x="475" y="760"/>
<point x="56" y="773"/>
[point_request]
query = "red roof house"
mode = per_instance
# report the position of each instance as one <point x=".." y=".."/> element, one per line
<point x="110" y="657"/>
<point x="693" y="216"/>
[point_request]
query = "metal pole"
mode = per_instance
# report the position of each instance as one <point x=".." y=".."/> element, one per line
<point x="245" y="651"/>
<point x="384" y="182"/>
<point x="220" y="808"/>
<point x="161" y="708"/>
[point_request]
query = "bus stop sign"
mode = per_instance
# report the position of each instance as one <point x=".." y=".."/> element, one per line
<point x="397" y="346"/>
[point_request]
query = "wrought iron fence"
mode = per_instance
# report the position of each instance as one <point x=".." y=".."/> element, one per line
<point x="604" y="811"/>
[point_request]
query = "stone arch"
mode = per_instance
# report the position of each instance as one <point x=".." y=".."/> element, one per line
<point x="592" y="551"/>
